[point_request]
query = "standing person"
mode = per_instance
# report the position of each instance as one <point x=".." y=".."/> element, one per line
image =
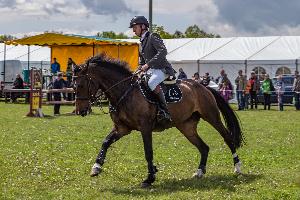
<point x="182" y="75"/>
<point x="226" y="91"/>
<point x="59" y="83"/>
<point x="254" y="84"/>
<point x="296" y="89"/>
<point x="220" y="79"/>
<point x="205" y="79"/>
<point x="18" y="84"/>
<point x="70" y="70"/>
<point x="196" y="77"/>
<point x="152" y="54"/>
<point x="55" y="67"/>
<point x="280" y="91"/>
<point x="247" y="94"/>
<point x="267" y="88"/>
<point x="240" y="83"/>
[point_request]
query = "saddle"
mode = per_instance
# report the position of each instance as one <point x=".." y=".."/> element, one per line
<point x="169" y="86"/>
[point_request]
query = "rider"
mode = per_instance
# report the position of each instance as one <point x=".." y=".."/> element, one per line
<point x="152" y="59"/>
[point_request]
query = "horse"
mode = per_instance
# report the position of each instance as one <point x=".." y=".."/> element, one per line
<point x="129" y="110"/>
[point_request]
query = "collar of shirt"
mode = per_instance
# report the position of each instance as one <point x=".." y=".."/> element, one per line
<point x="143" y="36"/>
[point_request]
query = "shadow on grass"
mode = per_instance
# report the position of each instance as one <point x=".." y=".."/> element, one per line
<point x="224" y="182"/>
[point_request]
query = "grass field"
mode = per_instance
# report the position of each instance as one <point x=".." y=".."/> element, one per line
<point x="51" y="158"/>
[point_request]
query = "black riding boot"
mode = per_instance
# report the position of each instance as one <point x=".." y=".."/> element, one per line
<point x="163" y="105"/>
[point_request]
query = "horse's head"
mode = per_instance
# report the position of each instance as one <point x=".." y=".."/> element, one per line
<point x="100" y="72"/>
<point x="86" y="89"/>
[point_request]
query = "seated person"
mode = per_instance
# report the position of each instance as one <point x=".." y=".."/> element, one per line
<point x="18" y="84"/>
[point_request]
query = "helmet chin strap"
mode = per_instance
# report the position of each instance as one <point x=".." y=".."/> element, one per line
<point x="142" y="30"/>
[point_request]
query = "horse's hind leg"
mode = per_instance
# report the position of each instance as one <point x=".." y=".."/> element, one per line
<point x="219" y="126"/>
<point x="112" y="137"/>
<point x="189" y="130"/>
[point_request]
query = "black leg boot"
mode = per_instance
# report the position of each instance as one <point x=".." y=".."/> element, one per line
<point x="163" y="105"/>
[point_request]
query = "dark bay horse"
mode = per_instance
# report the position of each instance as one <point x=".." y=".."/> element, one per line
<point x="130" y="111"/>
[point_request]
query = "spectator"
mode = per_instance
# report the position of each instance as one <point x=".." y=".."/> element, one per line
<point x="280" y="91"/>
<point x="226" y="91"/>
<point x="196" y="77"/>
<point x="240" y="83"/>
<point x="18" y="84"/>
<point x="296" y="89"/>
<point x="254" y="88"/>
<point x="69" y="72"/>
<point x="55" y="67"/>
<point x="247" y="94"/>
<point x="59" y="83"/>
<point x="267" y="88"/>
<point x="205" y="79"/>
<point x="220" y="79"/>
<point x="182" y="75"/>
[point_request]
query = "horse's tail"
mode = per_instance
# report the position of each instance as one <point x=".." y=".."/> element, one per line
<point x="230" y="118"/>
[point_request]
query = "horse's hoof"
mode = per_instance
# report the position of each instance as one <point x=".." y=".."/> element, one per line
<point x="198" y="174"/>
<point x="237" y="168"/>
<point x="96" y="169"/>
<point x="145" y="185"/>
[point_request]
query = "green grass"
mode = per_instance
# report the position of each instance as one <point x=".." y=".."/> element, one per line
<point x="51" y="158"/>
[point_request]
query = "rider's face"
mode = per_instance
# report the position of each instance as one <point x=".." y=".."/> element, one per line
<point x="137" y="30"/>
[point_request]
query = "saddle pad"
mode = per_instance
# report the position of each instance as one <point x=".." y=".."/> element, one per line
<point x="172" y="93"/>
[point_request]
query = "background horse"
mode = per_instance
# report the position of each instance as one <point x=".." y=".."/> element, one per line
<point x="129" y="111"/>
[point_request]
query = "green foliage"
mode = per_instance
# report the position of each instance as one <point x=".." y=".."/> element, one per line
<point x="51" y="157"/>
<point x="4" y="38"/>
<point x="195" y="32"/>
<point x="112" y="35"/>
<point x="191" y="32"/>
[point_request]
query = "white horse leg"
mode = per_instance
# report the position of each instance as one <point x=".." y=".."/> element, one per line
<point x="96" y="169"/>
<point x="237" y="164"/>
<point x="198" y="174"/>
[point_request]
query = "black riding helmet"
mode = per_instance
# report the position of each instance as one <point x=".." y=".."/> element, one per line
<point x="139" y="20"/>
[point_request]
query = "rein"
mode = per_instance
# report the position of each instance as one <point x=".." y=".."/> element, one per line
<point x="99" y="98"/>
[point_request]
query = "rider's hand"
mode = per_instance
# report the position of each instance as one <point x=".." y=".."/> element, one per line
<point x="144" y="67"/>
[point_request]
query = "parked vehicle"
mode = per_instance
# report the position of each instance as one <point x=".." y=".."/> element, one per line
<point x="288" y="93"/>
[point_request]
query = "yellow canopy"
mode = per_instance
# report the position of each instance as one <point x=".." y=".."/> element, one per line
<point x="52" y="39"/>
<point x="80" y="48"/>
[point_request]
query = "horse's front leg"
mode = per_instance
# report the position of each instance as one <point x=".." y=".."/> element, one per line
<point x="112" y="137"/>
<point x="148" y="149"/>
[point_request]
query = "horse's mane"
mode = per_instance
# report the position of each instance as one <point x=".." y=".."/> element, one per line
<point x="103" y="60"/>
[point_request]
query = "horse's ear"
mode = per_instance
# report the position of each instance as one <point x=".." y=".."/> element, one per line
<point x="77" y="69"/>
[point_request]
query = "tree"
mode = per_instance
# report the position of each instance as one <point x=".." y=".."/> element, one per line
<point x="4" y="38"/>
<point x="160" y="30"/>
<point x="195" y="32"/>
<point x="112" y="35"/>
<point x="178" y="34"/>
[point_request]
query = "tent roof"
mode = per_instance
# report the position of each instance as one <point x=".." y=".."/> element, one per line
<point x="51" y="39"/>
<point x="20" y="52"/>
<point x="284" y="48"/>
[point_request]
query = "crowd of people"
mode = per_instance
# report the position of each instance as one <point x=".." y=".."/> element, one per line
<point x="247" y="90"/>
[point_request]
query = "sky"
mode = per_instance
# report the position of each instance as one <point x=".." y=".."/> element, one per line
<point x="228" y="18"/>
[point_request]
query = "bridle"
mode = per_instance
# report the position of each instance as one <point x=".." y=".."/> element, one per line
<point x="93" y="98"/>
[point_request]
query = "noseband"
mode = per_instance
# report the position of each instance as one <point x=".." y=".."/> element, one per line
<point x="94" y="98"/>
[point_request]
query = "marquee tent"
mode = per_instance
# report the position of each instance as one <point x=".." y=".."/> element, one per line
<point x="79" y="47"/>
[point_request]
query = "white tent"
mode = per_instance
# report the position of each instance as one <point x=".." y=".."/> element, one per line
<point x="37" y="55"/>
<point x="272" y="55"/>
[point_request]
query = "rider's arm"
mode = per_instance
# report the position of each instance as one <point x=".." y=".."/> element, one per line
<point x="159" y="46"/>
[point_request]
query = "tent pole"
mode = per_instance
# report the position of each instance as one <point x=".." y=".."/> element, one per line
<point x="28" y="57"/>
<point x="246" y="67"/>
<point x="93" y="49"/>
<point x="4" y="62"/>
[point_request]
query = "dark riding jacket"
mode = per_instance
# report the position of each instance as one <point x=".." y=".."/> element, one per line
<point x="153" y="52"/>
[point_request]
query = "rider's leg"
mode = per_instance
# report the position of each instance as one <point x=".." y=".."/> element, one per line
<point x="162" y="101"/>
<point x="157" y="76"/>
